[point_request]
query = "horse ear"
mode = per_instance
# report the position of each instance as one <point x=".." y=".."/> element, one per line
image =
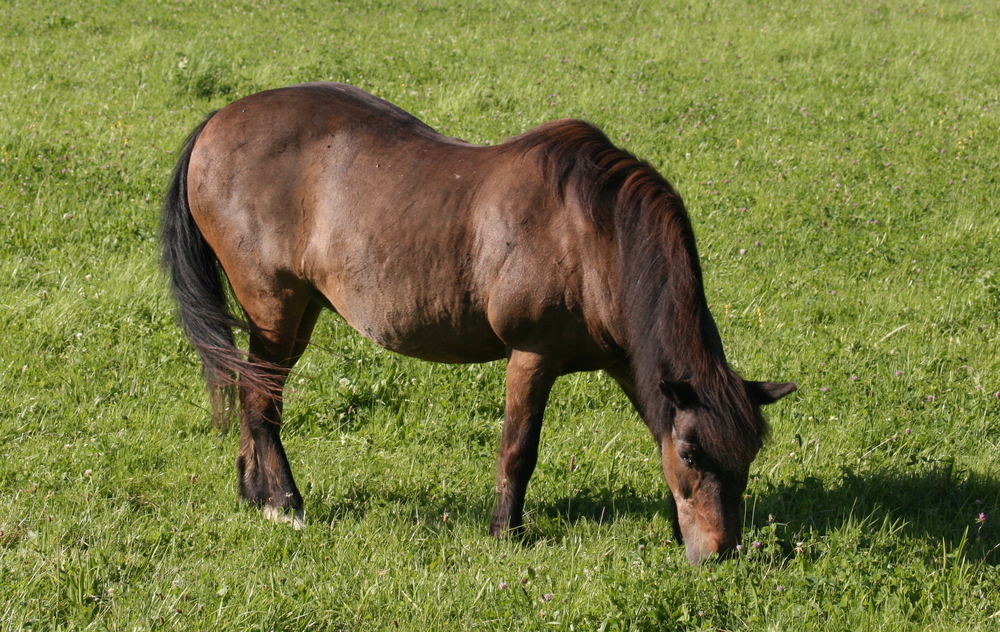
<point x="768" y="392"/>
<point x="680" y="394"/>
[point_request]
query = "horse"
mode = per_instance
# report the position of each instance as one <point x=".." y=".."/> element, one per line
<point x="555" y="250"/>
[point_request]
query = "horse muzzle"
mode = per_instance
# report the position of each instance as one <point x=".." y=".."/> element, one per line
<point x="706" y="536"/>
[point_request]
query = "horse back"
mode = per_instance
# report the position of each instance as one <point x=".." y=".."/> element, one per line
<point x="427" y="245"/>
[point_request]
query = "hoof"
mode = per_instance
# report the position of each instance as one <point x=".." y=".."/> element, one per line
<point x="286" y="515"/>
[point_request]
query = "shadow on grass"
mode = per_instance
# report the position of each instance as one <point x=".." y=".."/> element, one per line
<point x="431" y="507"/>
<point x="545" y="517"/>
<point x="939" y="503"/>
<point x="601" y="505"/>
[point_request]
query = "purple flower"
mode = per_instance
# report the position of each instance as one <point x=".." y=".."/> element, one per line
<point x="854" y="378"/>
<point x="743" y="251"/>
<point x="931" y="398"/>
<point x="898" y="372"/>
<point x="780" y="588"/>
<point x="739" y="547"/>
<point x="825" y="389"/>
<point x="547" y="597"/>
<point x="756" y="544"/>
<point x="981" y="518"/>
<point x="907" y="431"/>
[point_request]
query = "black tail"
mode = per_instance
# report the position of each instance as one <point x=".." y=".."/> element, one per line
<point x="200" y="292"/>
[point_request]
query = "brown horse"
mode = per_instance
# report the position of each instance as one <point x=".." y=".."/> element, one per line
<point x="555" y="250"/>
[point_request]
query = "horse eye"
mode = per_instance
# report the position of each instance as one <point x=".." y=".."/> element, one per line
<point x="688" y="451"/>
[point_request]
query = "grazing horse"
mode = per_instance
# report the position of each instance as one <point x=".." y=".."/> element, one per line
<point x="555" y="250"/>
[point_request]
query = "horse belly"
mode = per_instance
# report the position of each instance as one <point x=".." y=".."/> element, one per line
<point x="416" y="306"/>
<point x="439" y="333"/>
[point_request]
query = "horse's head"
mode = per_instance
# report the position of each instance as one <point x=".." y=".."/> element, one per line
<point x="706" y="461"/>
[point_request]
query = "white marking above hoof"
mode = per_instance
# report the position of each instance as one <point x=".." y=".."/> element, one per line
<point x="296" y="518"/>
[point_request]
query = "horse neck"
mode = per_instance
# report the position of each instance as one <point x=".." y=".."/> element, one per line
<point x="670" y="332"/>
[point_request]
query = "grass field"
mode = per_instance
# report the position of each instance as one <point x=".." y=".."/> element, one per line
<point x="840" y="163"/>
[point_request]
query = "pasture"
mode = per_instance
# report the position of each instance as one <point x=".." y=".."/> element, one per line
<point x="840" y="167"/>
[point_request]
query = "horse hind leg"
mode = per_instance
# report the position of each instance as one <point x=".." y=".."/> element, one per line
<point x="279" y="332"/>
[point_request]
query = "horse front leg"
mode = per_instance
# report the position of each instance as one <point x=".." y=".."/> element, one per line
<point x="529" y="380"/>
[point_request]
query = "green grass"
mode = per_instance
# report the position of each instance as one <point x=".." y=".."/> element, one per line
<point x="857" y="144"/>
